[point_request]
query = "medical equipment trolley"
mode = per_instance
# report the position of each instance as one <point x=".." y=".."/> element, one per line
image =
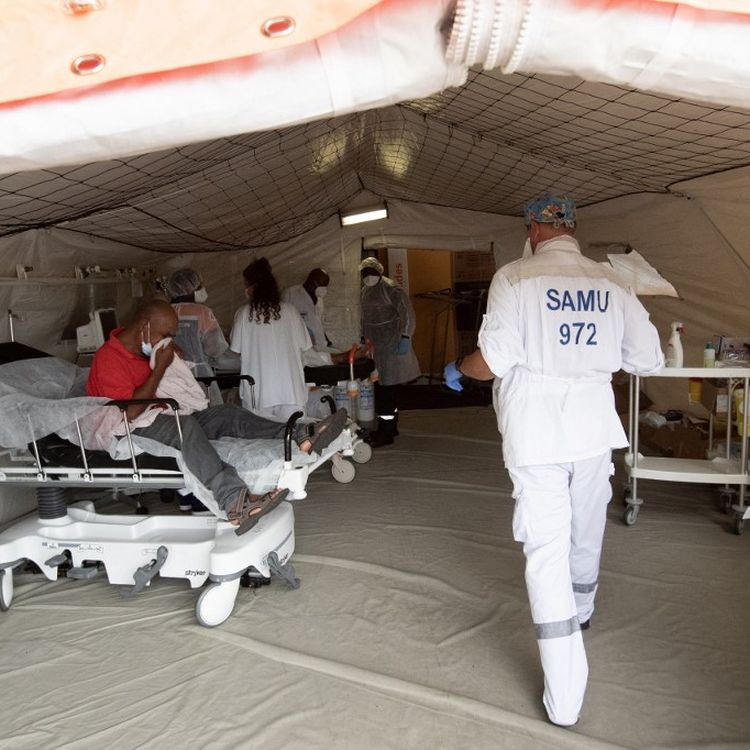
<point x="725" y="470"/>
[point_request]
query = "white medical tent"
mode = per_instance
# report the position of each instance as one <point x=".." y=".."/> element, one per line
<point x="411" y="628"/>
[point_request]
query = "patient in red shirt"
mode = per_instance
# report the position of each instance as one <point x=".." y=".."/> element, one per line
<point x="121" y="370"/>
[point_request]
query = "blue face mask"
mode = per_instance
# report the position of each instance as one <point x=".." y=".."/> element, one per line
<point x="146" y="346"/>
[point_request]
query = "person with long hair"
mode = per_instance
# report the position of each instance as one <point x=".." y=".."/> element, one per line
<point x="270" y="337"/>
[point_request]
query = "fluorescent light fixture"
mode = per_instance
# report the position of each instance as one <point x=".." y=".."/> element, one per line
<point x="358" y="215"/>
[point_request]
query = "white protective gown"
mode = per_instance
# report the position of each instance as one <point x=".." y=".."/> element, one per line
<point x="272" y="354"/>
<point x="199" y="336"/>
<point x="557" y="326"/>
<point x="311" y="313"/>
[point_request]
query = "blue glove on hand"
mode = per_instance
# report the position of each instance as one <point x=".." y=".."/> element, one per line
<point x="403" y="345"/>
<point x="452" y="377"/>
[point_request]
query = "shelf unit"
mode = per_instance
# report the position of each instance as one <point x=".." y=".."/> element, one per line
<point x="724" y="471"/>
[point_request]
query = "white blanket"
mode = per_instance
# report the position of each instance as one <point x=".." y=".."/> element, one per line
<point x="179" y="383"/>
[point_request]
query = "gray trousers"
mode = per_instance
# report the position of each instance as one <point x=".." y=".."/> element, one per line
<point x="199" y="455"/>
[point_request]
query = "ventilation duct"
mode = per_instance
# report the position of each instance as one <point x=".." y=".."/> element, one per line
<point x="648" y="45"/>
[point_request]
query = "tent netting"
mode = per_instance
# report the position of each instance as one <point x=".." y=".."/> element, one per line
<point x="487" y="146"/>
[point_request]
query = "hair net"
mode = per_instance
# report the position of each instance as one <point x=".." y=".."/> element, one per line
<point x="182" y="282"/>
<point x="371" y="263"/>
<point x="551" y="210"/>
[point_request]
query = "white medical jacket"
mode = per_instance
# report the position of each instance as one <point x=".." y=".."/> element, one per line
<point x="311" y="313"/>
<point x="557" y="326"/>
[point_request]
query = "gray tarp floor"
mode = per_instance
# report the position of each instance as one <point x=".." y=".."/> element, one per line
<point x="410" y="630"/>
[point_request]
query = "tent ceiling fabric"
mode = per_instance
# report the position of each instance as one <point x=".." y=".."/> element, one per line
<point x="488" y="146"/>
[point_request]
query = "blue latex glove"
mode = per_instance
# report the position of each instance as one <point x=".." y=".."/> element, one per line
<point x="403" y="345"/>
<point x="452" y="377"/>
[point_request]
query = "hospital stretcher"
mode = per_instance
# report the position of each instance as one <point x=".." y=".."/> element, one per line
<point x="134" y="549"/>
<point x="351" y="444"/>
<point x="358" y="448"/>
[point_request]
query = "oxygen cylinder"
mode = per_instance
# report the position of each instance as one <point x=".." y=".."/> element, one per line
<point x="366" y="413"/>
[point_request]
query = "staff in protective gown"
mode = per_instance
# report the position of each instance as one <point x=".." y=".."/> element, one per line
<point x="557" y="326"/>
<point x="199" y="334"/>
<point x="388" y="320"/>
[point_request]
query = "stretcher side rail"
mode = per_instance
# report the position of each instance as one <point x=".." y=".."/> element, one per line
<point x="229" y="380"/>
<point x="85" y="474"/>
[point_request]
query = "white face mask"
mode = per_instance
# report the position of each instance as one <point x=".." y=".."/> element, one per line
<point x="370" y="280"/>
<point x="527" y="251"/>
<point x="201" y="295"/>
<point x="321" y="291"/>
<point x="146" y="346"/>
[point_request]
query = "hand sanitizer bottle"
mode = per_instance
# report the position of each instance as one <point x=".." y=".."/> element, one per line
<point x="709" y="355"/>
<point x="673" y="356"/>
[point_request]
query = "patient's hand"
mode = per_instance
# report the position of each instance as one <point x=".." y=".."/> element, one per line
<point x="163" y="357"/>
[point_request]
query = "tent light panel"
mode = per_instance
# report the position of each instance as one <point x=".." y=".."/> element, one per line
<point x="359" y="215"/>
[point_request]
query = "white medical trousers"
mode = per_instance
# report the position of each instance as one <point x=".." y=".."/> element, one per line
<point x="559" y="517"/>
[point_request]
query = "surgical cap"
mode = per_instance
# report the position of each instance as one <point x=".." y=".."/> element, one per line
<point x="182" y="282"/>
<point x="371" y="263"/>
<point x="551" y="210"/>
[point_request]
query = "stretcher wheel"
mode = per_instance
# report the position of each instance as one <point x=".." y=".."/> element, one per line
<point x="343" y="471"/>
<point x="362" y="453"/>
<point x="216" y="603"/>
<point x="6" y="589"/>
<point x="631" y="515"/>
<point x="739" y="524"/>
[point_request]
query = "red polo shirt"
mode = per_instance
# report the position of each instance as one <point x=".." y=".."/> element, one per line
<point x="116" y="372"/>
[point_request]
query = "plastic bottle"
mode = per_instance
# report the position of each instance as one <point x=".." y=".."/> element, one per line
<point x="352" y="390"/>
<point x="695" y="390"/>
<point x="341" y="395"/>
<point x="674" y="356"/>
<point x="709" y="355"/>
<point x="366" y="413"/>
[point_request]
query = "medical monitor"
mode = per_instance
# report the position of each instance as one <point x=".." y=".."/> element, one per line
<point x="92" y="335"/>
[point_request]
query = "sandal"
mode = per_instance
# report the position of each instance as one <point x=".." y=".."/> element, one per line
<point x="247" y="510"/>
<point x="327" y="430"/>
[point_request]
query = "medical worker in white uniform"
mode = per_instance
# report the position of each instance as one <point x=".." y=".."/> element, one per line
<point x="270" y="338"/>
<point x="308" y="298"/>
<point x="557" y="326"/>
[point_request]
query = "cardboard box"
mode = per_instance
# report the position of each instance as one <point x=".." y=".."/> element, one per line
<point x="621" y="389"/>
<point x="680" y="441"/>
<point x="714" y="396"/>
<point x="473" y="265"/>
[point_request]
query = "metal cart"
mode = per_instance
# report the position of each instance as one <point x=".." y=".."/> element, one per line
<point x="724" y="471"/>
